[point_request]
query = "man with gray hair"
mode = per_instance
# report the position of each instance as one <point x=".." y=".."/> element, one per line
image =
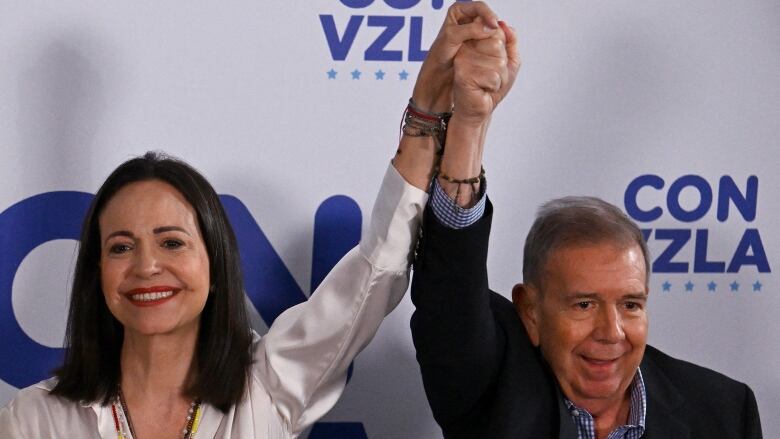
<point x="567" y="358"/>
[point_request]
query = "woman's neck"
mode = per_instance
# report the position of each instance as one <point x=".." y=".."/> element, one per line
<point x="156" y="366"/>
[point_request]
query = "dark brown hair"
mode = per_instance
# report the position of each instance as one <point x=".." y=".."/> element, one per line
<point x="93" y="341"/>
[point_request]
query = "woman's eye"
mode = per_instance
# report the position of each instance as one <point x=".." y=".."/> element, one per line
<point x="119" y="249"/>
<point x="172" y="244"/>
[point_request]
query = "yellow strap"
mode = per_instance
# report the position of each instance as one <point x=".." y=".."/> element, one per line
<point x="196" y="422"/>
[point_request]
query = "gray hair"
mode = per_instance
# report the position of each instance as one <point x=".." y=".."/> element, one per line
<point x="571" y="221"/>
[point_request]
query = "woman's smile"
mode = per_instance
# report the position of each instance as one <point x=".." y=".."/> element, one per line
<point x="151" y="296"/>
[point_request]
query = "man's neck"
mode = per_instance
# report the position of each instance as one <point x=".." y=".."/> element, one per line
<point x="611" y="418"/>
<point x="607" y="414"/>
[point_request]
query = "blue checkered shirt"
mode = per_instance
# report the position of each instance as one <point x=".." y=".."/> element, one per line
<point x="634" y="429"/>
<point x="450" y="214"/>
<point x="453" y="216"/>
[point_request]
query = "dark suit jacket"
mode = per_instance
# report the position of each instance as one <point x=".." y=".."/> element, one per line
<point x="484" y="379"/>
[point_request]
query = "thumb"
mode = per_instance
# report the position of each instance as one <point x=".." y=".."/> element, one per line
<point x="513" y="57"/>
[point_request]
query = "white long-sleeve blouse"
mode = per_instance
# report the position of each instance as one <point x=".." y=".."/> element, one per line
<point x="300" y="365"/>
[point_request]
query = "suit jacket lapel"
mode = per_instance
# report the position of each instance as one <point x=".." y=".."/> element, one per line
<point x="663" y="400"/>
<point x="567" y="429"/>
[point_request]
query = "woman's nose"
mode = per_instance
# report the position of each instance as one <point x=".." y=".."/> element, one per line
<point x="146" y="263"/>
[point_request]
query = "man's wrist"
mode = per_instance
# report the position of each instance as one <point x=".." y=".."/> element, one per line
<point x="432" y="99"/>
<point x="474" y="124"/>
<point x="452" y="215"/>
<point x="465" y="140"/>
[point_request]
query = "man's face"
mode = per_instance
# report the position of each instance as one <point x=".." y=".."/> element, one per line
<point x="590" y="319"/>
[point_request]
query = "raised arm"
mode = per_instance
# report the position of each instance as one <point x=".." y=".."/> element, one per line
<point x="302" y="362"/>
<point x="433" y="93"/>
<point x="458" y="343"/>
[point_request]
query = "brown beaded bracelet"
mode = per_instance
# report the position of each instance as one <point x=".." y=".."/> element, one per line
<point x="469" y="181"/>
<point x="472" y="180"/>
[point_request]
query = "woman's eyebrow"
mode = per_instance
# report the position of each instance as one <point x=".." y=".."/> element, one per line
<point x="163" y="229"/>
<point x="118" y="233"/>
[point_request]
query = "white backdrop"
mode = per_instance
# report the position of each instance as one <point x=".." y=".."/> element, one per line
<point x="249" y="92"/>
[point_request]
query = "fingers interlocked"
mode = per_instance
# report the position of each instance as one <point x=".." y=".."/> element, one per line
<point x="473" y="59"/>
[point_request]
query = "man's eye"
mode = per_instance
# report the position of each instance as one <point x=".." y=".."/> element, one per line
<point x="172" y="244"/>
<point x="633" y="306"/>
<point x="584" y="305"/>
<point x="118" y="249"/>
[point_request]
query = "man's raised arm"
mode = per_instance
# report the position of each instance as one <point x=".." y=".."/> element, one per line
<point x="458" y="344"/>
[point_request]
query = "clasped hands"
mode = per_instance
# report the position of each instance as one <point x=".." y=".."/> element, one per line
<point x="469" y="69"/>
<point x="471" y="65"/>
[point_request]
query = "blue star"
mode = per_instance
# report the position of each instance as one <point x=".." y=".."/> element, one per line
<point x="667" y="286"/>
<point x="734" y="286"/>
<point x="331" y="74"/>
<point x="380" y="74"/>
<point x="712" y="286"/>
<point x="689" y="286"/>
<point x="403" y="75"/>
<point x="757" y="286"/>
<point x="356" y="74"/>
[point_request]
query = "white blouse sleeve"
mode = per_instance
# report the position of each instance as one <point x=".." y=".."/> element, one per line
<point x="9" y="422"/>
<point x="302" y="361"/>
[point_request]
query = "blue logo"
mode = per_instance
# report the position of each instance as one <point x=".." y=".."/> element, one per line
<point x="269" y="284"/>
<point x="403" y="31"/>
<point x="724" y="201"/>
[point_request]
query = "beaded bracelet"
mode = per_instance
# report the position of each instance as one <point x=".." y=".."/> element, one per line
<point x="472" y="181"/>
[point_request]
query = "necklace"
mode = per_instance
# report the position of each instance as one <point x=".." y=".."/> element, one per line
<point x="124" y="426"/>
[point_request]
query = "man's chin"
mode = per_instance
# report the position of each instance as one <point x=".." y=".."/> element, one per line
<point x="603" y="388"/>
<point x="600" y="390"/>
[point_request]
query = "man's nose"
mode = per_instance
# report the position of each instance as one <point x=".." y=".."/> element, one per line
<point x="146" y="263"/>
<point x="609" y="325"/>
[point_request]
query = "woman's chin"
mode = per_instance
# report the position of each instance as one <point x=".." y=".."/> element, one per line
<point x="150" y="328"/>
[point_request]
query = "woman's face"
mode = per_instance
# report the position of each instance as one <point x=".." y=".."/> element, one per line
<point x="153" y="263"/>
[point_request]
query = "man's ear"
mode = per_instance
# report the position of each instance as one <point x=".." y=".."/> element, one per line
<point x="526" y="301"/>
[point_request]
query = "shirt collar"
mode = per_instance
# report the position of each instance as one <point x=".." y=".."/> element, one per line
<point x="638" y="404"/>
<point x="638" y="411"/>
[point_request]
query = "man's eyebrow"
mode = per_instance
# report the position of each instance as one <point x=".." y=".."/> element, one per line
<point x="581" y="295"/>
<point x="164" y="229"/>
<point x="584" y="295"/>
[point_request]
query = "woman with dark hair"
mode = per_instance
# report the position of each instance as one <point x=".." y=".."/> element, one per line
<point x="196" y="245"/>
<point x="158" y="344"/>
